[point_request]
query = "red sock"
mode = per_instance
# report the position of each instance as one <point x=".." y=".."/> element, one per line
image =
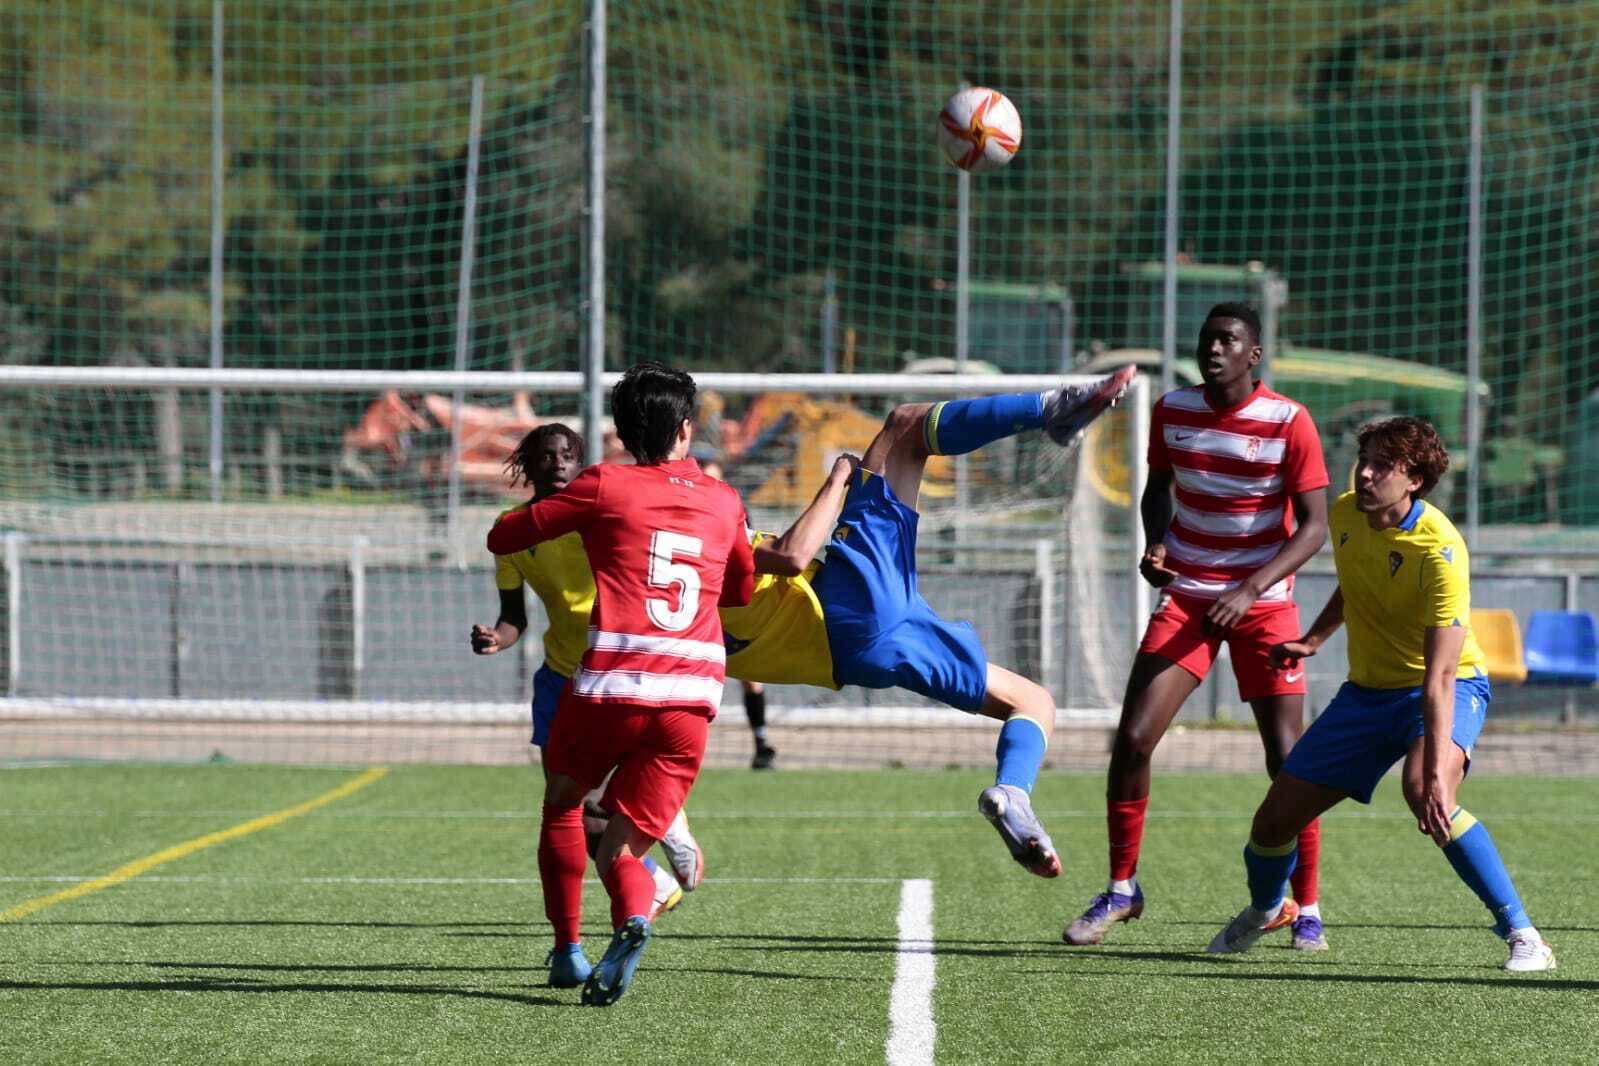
<point x="1308" y="872"/>
<point x="1126" y="819"/>
<point x="562" y="860"/>
<point x="631" y="887"/>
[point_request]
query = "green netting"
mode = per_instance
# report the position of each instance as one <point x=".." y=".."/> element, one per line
<point x="775" y="201"/>
<point x="780" y="164"/>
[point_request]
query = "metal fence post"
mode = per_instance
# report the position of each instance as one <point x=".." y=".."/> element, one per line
<point x="1137" y="406"/>
<point x="182" y="574"/>
<point x="1474" y="325"/>
<point x="357" y="614"/>
<point x="1174" y="133"/>
<point x="1044" y="572"/>
<point x="14" y="542"/>
<point x="594" y="357"/>
<point x="463" y="314"/>
<point x="1568" y="713"/>
<point x="216" y="293"/>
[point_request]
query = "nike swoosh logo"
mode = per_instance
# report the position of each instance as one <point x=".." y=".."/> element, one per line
<point x="1184" y="436"/>
<point x="1291" y="678"/>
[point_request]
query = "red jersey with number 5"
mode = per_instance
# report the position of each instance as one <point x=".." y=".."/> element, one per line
<point x="667" y="545"/>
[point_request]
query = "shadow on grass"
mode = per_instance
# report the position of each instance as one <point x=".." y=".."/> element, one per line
<point x="202" y="984"/>
<point x="289" y="967"/>
<point x="771" y="975"/>
<point x="1425" y="927"/>
<point x="1540" y="982"/>
<point x="248" y="923"/>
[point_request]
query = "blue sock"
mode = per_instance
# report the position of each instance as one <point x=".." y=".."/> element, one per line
<point x="955" y="427"/>
<point x="1020" y="752"/>
<point x="1268" y="870"/>
<point x="1476" y="860"/>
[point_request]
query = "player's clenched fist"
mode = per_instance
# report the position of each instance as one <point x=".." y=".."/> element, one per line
<point x="1153" y="566"/>
<point x="485" y="641"/>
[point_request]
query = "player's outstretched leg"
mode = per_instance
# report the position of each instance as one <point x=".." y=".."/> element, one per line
<point x="1069" y="409"/>
<point x="614" y="972"/>
<point x="955" y="427"/>
<point x="1028" y="712"/>
<point x="899" y="453"/>
<point x="683" y="852"/>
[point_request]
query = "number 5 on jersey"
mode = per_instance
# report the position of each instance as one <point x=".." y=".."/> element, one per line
<point x="666" y="572"/>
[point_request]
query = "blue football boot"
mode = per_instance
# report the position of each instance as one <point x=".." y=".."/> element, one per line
<point x="569" y="967"/>
<point x="615" y="970"/>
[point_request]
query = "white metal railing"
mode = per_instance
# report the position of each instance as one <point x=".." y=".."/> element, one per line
<point x="246" y="379"/>
<point x="1040" y="563"/>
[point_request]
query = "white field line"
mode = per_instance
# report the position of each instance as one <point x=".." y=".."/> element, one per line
<point x="911" y="1033"/>
<point x="454" y="882"/>
<point x="1350" y="814"/>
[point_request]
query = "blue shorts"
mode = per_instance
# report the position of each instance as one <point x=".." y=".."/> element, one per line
<point x="1364" y="731"/>
<point x="547" y="686"/>
<point x="881" y="632"/>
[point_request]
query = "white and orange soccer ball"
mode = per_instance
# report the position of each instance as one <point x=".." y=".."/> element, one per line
<point x="979" y="129"/>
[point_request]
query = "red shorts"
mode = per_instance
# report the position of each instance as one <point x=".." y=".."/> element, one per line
<point x="1175" y="632"/>
<point x="656" y="752"/>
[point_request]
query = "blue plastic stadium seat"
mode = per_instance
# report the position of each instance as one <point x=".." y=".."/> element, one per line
<point x="1562" y="648"/>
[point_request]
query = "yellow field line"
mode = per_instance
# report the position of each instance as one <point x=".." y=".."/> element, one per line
<point x="189" y="847"/>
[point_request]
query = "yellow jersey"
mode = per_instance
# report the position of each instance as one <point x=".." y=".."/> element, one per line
<point x="779" y="637"/>
<point x="558" y="571"/>
<point x="1398" y="583"/>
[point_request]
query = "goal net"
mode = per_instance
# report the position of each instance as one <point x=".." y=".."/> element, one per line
<point x="391" y="189"/>
<point x="320" y="609"/>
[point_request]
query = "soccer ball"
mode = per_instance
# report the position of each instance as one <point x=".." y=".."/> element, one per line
<point x="979" y="129"/>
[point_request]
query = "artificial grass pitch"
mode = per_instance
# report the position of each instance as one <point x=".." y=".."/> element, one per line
<point x="403" y="923"/>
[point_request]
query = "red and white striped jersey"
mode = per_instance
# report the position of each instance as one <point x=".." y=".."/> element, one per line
<point x="1236" y="472"/>
<point x="667" y="545"/>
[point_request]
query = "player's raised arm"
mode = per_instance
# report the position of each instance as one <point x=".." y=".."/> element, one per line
<point x="790" y="553"/>
<point x="566" y="511"/>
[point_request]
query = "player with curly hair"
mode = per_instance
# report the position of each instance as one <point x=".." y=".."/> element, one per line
<point x="1417" y="690"/>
